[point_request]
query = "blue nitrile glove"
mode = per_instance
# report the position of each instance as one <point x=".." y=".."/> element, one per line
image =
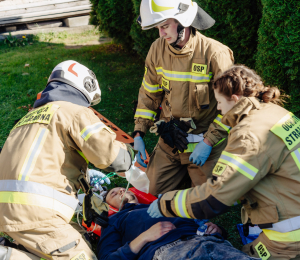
<point x="139" y="145"/>
<point x="200" y="154"/>
<point x="153" y="210"/>
<point x="96" y="179"/>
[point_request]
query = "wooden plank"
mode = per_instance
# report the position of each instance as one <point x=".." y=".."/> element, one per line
<point x="40" y="16"/>
<point x="35" y="4"/>
<point x="46" y="13"/>
<point x="43" y="8"/>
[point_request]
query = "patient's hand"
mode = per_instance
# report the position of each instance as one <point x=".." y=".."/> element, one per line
<point x="153" y="233"/>
<point x="212" y="228"/>
<point x="158" y="230"/>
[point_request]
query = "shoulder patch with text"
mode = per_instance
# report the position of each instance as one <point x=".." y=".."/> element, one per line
<point x="262" y="251"/>
<point x="199" y="68"/>
<point x="165" y="83"/>
<point x="288" y="129"/>
<point x="219" y="168"/>
<point x="42" y="115"/>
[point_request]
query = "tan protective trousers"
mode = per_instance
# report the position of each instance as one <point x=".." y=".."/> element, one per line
<point x="63" y="241"/>
<point x="166" y="170"/>
<point x="264" y="248"/>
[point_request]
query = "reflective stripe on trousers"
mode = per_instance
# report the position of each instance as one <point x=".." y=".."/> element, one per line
<point x="37" y="194"/>
<point x="285" y="231"/>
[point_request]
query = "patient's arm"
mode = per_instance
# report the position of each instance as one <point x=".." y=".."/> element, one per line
<point x="153" y="233"/>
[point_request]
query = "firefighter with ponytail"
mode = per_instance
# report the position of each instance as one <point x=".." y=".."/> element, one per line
<point x="260" y="166"/>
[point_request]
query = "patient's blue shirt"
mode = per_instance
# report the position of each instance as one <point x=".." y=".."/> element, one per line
<point x="128" y="224"/>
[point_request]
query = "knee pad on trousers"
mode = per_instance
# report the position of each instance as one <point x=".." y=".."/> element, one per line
<point x="5" y="252"/>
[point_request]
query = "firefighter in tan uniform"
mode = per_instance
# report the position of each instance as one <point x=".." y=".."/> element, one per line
<point x="44" y="163"/>
<point x="260" y="166"/>
<point x="178" y="72"/>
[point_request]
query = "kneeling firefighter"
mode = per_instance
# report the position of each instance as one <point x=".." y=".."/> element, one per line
<point x="259" y="166"/>
<point x="178" y="72"/>
<point x="44" y="163"/>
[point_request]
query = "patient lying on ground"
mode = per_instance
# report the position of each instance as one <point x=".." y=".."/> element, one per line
<point x="133" y="234"/>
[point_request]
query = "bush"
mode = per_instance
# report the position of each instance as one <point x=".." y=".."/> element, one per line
<point x="278" y="56"/>
<point x="236" y="26"/>
<point x="114" y="17"/>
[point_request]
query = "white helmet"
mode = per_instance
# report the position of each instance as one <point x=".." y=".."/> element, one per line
<point x="78" y="76"/>
<point x="186" y="12"/>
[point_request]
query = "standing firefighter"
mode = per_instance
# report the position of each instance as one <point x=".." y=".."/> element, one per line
<point x="259" y="166"/>
<point x="178" y="72"/>
<point x="44" y="163"/>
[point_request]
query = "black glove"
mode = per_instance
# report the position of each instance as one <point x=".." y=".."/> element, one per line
<point x="174" y="133"/>
<point x="95" y="210"/>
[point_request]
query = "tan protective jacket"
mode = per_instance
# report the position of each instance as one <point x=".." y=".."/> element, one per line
<point x="259" y="166"/>
<point x="42" y="159"/>
<point x="180" y="81"/>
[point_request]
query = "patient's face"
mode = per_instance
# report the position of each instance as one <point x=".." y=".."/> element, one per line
<point x="115" y="196"/>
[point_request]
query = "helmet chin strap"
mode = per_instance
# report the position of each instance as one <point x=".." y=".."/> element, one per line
<point x="180" y="35"/>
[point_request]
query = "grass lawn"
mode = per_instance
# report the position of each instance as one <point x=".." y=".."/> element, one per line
<point x="119" y="75"/>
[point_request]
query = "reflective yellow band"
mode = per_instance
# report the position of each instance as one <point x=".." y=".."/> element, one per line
<point x="36" y="200"/>
<point x="218" y="119"/>
<point x="151" y="88"/>
<point x="88" y="131"/>
<point x="293" y="236"/>
<point x="296" y="157"/>
<point x="83" y="156"/>
<point x="288" y="129"/>
<point x="222" y="140"/>
<point x="144" y="113"/>
<point x="42" y="115"/>
<point x="239" y="164"/>
<point x="180" y="205"/>
<point x="33" y="154"/>
<point x="183" y="76"/>
<point x="191" y="148"/>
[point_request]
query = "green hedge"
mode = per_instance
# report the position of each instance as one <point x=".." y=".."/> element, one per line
<point x="278" y="52"/>
<point x="236" y="26"/>
<point x="114" y="17"/>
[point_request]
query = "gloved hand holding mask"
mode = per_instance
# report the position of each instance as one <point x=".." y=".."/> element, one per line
<point x="96" y="179"/>
<point x="173" y="133"/>
<point x="95" y="210"/>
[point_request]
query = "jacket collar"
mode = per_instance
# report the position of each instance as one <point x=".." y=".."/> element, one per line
<point x="240" y="110"/>
<point x="186" y="50"/>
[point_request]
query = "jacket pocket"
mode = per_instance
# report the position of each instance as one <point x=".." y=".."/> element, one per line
<point x="264" y="215"/>
<point x="202" y="95"/>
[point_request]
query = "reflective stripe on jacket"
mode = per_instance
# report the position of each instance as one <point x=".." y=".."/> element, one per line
<point x="41" y="161"/>
<point x="259" y="166"/>
<point x="180" y="81"/>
